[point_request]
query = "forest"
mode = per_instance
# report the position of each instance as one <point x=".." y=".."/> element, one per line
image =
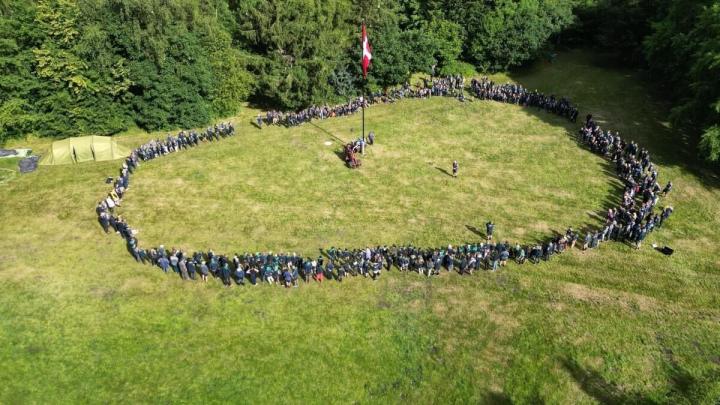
<point x="71" y="67"/>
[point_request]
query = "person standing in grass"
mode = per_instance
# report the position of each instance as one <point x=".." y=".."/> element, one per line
<point x="455" y="168"/>
<point x="239" y="274"/>
<point x="535" y="254"/>
<point x="213" y="264"/>
<point x="164" y="263"/>
<point x="376" y="269"/>
<point x="225" y="274"/>
<point x="449" y="259"/>
<point x="504" y="256"/>
<point x="183" y="269"/>
<point x="667" y="188"/>
<point x="295" y="274"/>
<point x="319" y="272"/>
<point x="204" y="271"/>
<point x="665" y="215"/>
<point x="494" y="259"/>
<point x="104" y="219"/>
<point x="519" y="254"/>
<point x="329" y="270"/>
<point x="307" y="269"/>
<point x="252" y="272"/>
<point x="588" y="239"/>
<point x="191" y="269"/>
<point x="549" y="250"/>
<point x="640" y="237"/>
<point x="174" y="263"/>
<point x="267" y="274"/>
<point x="287" y="278"/>
<point x="489" y="228"/>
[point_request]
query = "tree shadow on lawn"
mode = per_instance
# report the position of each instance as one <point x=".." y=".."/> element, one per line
<point x="594" y="385"/>
<point x="500" y="398"/>
<point x="682" y="386"/>
<point x="667" y="147"/>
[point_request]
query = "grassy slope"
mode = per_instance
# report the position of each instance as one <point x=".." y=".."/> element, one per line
<point x="81" y="322"/>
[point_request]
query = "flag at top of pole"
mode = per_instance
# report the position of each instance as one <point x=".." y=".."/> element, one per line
<point x="366" y="52"/>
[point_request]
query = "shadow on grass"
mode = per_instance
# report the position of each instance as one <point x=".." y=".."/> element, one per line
<point x="325" y="131"/>
<point x="440" y="169"/>
<point x="667" y="146"/>
<point x="341" y="155"/>
<point x="605" y="392"/>
<point x="476" y="231"/>
<point x="607" y="169"/>
<point x="497" y="398"/>
<point x="682" y="386"/>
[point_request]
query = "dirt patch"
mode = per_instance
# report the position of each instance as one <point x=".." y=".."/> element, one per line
<point x="103" y="293"/>
<point x="476" y="306"/>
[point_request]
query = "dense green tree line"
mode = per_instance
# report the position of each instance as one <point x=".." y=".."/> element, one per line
<point x="100" y="66"/>
<point x="678" y="42"/>
<point x="71" y="67"/>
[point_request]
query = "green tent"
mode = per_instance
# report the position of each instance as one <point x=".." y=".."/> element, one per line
<point x="84" y="149"/>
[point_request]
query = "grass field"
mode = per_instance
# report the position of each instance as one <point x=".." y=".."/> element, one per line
<point x="81" y="322"/>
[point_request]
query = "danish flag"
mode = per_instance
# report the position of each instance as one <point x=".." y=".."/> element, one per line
<point x="366" y="52"/>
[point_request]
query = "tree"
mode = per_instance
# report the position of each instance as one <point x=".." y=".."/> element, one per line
<point x="17" y="82"/>
<point x="684" y="50"/>
<point x="297" y="46"/>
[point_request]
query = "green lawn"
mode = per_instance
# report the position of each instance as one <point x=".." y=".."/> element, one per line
<point x="81" y="322"/>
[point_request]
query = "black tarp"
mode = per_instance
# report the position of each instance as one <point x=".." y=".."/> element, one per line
<point x="28" y="165"/>
<point x="7" y="152"/>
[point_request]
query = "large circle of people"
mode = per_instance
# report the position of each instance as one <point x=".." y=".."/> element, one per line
<point x="630" y="222"/>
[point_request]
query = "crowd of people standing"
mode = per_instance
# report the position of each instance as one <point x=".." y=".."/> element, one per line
<point x="485" y="89"/>
<point x="631" y="221"/>
<point x="635" y="217"/>
<point x="449" y="86"/>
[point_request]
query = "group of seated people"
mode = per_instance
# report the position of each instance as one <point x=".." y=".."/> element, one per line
<point x="630" y="221"/>
<point x="449" y="86"/>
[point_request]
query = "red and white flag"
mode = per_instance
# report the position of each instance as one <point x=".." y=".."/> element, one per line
<point x="366" y="52"/>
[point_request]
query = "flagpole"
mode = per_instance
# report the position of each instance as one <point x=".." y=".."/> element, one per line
<point x="363" y="92"/>
<point x="363" y="121"/>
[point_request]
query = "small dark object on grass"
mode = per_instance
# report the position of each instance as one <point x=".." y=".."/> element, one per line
<point x="29" y="164"/>
<point x="108" y="180"/>
<point x="7" y="152"/>
<point x="666" y="250"/>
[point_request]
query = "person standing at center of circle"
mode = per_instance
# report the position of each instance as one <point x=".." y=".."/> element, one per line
<point x="455" y="168"/>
